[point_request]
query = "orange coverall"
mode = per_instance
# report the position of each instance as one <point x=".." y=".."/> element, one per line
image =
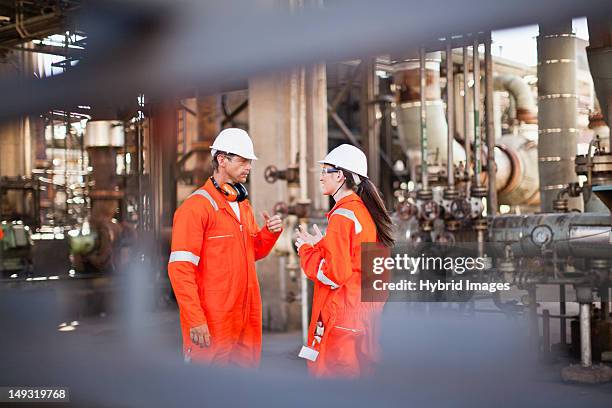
<point x="212" y="271"/>
<point x="349" y="345"/>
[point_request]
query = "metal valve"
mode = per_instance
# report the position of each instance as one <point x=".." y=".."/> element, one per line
<point x="272" y="174"/>
<point x="429" y="210"/>
<point x="460" y="209"/>
<point x="406" y="210"/>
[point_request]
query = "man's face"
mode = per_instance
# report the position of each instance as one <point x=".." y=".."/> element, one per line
<point x="237" y="168"/>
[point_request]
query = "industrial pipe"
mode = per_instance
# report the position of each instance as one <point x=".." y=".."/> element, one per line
<point x="450" y="117"/>
<point x="585" y="335"/>
<point x="524" y="100"/>
<point x="406" y="79"/>
<point x="423" y="110"/>
<point x="581" y="235"/>
<point x="490" y="129"/>
<point x="466" y="120"/>
<point x="476" y="98"/>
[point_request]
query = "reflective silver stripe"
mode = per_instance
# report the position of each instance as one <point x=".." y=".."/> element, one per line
<point x="351" y="216"/>
<point x="185" y="256"/>
<point x="324" y="279"/>
<point x="205" y="194"/>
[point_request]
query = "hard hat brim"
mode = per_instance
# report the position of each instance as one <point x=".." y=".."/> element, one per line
<point x="332" y="164"/>
<point x="214" y="150"/>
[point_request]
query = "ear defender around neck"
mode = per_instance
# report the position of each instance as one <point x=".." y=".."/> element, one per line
<point x="232" y="192"/>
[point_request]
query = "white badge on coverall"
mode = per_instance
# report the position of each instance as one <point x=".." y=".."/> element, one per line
<point x="308" y="352"/>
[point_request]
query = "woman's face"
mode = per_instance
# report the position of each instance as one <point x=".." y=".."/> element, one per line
<point x="331" y="178"/>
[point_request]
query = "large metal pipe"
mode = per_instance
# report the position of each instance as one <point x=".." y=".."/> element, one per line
<point x="476" y="98"/>
<point x="423" y="111"/>
<point x="303" y="166"/>
<point x="450" y="116"/>
<point x="490" y="129"/>
<point x="519" y="90"/>
<point x="585" y="335"/>
<point x="466" y="119"/>
<point x="581" y="235"/>
<point x="516" y="178"/>
<point x="557" y="112"/>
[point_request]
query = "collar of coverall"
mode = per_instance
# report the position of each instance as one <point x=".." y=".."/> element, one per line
<point x="220" y="199"/>
<point x="351" y="197"/>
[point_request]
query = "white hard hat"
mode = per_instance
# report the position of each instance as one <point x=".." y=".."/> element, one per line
<point x="348" y="157"/>
<point x="236" y="141"/>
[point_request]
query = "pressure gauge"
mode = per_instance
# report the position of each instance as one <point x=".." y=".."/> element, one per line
<point x="541" y="235"/>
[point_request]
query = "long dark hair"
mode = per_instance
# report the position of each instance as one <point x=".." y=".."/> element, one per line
<point x="375" y="205"/>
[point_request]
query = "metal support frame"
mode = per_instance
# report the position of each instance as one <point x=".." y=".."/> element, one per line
<point x="230" y="116"/>
<point x="331" y="111"/>
<point x="369" y="131"/>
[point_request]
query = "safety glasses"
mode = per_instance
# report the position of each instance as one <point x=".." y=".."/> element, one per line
<point x="325" y="171"/>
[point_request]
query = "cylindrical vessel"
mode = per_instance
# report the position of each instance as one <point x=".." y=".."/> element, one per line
<point x="557" y="112"/>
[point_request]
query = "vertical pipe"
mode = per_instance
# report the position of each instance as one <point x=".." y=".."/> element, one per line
<point x="605" y="305"/>
<point x="450" y="113"/>
<point x="302" y="136"/>
<point x="422" y="88"/>
<point x="533" y="314"/>
<point x="562" y="312"/>
<point x="138" y="162"/>
<point x="490" y="129"/>
<point x="369" y="131"/>
<point x="301" y="127"/>
<point x="293" y="111"/>
<point x="546" y="332"/>
<point x="466" y="119"/>
<point x="585" y="335"/>
<point x="476" y="97"/>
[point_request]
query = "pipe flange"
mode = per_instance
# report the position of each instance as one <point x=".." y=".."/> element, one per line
<point x="599" y="264"/>
<point x="506" y="266"/>
<point x="406" y="210"/>
<point x="460" y="209"/>
<point x="560" y="205"/>
<point x="453" y="225"/>
<point x="292" y="174"/>
<point x="478" y="191"/>
<point x="281" y="208"/>
<point x="429" y="210"/>
<point x="426" y="226"/>
<point x="424" y="195"/>
<point x="480" y="224"/>
<point x="451" y="193"/>
<point x="302" y="210"/>
<point x="584" y="294"/>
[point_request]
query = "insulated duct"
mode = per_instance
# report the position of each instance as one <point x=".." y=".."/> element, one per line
<point x="526" y="110"/>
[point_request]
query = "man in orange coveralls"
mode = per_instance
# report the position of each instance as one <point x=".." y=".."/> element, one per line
<point x="215" y="243"/>
<point x="343" y="332"/>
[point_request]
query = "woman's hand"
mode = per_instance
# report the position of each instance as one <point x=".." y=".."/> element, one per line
<point x="304" y="237"/>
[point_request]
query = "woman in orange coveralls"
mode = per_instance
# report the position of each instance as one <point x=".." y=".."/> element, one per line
<point x="342" y="337"/>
